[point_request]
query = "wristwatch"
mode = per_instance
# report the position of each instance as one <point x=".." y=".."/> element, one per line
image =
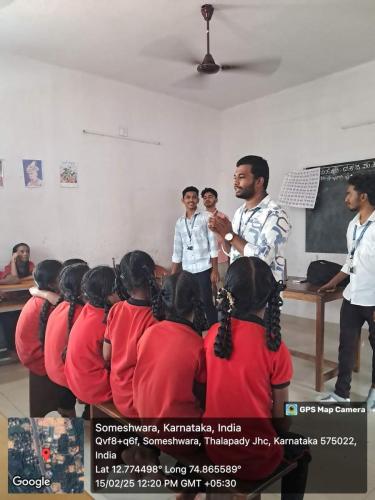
<point x="229" y="237"/>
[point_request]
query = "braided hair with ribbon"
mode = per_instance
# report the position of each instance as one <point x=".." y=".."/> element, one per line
<point x="70" y="280"/>
<point x="249" y="288"/>
<point x="179" y="299"/>
<point x="46" y="277"/>
<point x="138" y="273"/>
<point x="98" y="284"/>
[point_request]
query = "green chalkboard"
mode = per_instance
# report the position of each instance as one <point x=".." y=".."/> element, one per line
<point x="327" y="223"/>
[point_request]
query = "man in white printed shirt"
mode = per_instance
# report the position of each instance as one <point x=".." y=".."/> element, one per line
<point x="260" y="228"/>
<point x="358" y="305"/>
<point x="195" y="249"/>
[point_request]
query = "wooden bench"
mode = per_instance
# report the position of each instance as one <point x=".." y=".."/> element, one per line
<point x="253" y="489"/>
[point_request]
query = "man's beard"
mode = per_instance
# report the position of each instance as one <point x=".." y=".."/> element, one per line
<point x="246" y="193"/>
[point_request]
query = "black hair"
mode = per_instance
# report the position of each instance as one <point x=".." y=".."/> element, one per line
<point x="178" y="298"/>
<point x="70" y="287"/>
<point x="23" y="268"/>
<point x="209" y="190"/>
<point x="45" y="276"/>
<point x="190" y="189"/>
<point x="249" y="287"/>
<point x="97" y="285"/>
<point x="364" y="184"/>
<point x="16" y="247"/>
<point x="138" y="272"/>
<point x="259" y="167"/>
<point x="69" y="262"/>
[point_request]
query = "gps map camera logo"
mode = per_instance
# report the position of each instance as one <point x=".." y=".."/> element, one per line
<point x="291" y="409"/>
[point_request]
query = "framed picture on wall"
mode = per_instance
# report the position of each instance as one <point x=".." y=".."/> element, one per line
<point x="1" y="173"/>
<point x="68" y="174"/>
<point x="33" y="173"/>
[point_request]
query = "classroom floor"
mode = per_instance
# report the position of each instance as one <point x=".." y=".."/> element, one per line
<point x="298" y="334"/>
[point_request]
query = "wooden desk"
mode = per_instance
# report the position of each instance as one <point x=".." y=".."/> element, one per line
<point x="24" y="284"/>
<point x="309" y="293"/>
<point x="11" y="305"/>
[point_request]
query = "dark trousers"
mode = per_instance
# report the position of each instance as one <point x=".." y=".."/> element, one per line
<point x="204" y="281"/>
<point x="352" y="318"/>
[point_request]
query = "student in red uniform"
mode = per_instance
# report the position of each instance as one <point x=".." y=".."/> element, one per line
<point x="60" y="322"/>
<point x="126" y="323"/>
<point x="85" y="369"/>
<point x="30" y="332"/>
<point x="249" y="369"/>
<point x="20" y="265"/>
<point x="170" y="367"/>
<point x="32" y="322"/>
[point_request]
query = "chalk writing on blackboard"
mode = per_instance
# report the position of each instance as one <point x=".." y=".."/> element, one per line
<point x="327" y="224"/>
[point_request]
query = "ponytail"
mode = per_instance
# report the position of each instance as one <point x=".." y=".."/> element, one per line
<point x="200" y="321"/>
<point x="43" y="318"/>
<point x="223" y="345"/>
<point x="272" y="318"/>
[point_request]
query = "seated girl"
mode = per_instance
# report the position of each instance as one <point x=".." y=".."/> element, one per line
<point x="126" y="323"/>
<point x="29" y="340"/>
<point x="31" y="326"/>
<point x="170" y="359"/>
<point x="85" y="368"/>
<point x="20" y="265"/>
<point x="249" y="369"/>
<point x="58" y="329"/>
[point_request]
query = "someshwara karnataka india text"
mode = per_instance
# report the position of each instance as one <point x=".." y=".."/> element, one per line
<point x="208" y="428"/>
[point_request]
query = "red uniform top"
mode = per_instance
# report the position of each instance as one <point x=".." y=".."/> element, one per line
<point x="28" y="345"/>
<point x="170" y="358"/>
<point x="126" y="323"/>
<point x="85" y="371"/>
<point x="56" y="341"/>
<point x="7" y="270"/>
<point x="241" y="387"/>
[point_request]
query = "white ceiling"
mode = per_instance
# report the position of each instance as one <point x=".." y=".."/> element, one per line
<point x="126" y="40"/>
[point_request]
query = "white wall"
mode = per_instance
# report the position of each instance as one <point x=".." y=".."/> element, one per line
<point x="294" y="129"/>
<point x="129" y="193"/>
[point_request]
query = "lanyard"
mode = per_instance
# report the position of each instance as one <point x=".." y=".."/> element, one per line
<point x="356" y="242"/>
<point x="192" y="227"/>
<point x="240" y="233"/>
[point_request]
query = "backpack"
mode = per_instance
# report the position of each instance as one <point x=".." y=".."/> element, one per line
<point x="320" y="272"/>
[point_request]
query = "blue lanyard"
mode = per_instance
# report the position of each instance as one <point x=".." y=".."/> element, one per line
<point x="190" y="234"/>
<point x="240" y="233"/>
<point x="355" y="242"/>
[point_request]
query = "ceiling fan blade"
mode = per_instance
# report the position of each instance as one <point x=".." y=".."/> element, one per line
<point x="228" y="6"/>
<point x="197" y="81"/>
<point x="263" y="66"/>
<point x="170" y="49"/>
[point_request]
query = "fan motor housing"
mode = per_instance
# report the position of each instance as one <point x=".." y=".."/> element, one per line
<point x="208" y="65"/>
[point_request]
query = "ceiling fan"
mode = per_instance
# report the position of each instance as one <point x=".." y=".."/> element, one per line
<point x="208" y="66"/>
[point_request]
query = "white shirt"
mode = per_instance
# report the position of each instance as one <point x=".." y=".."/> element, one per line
<point x="265" y="228"/>
<point x="361" y="289"/>
<point x="196" y="249"/>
